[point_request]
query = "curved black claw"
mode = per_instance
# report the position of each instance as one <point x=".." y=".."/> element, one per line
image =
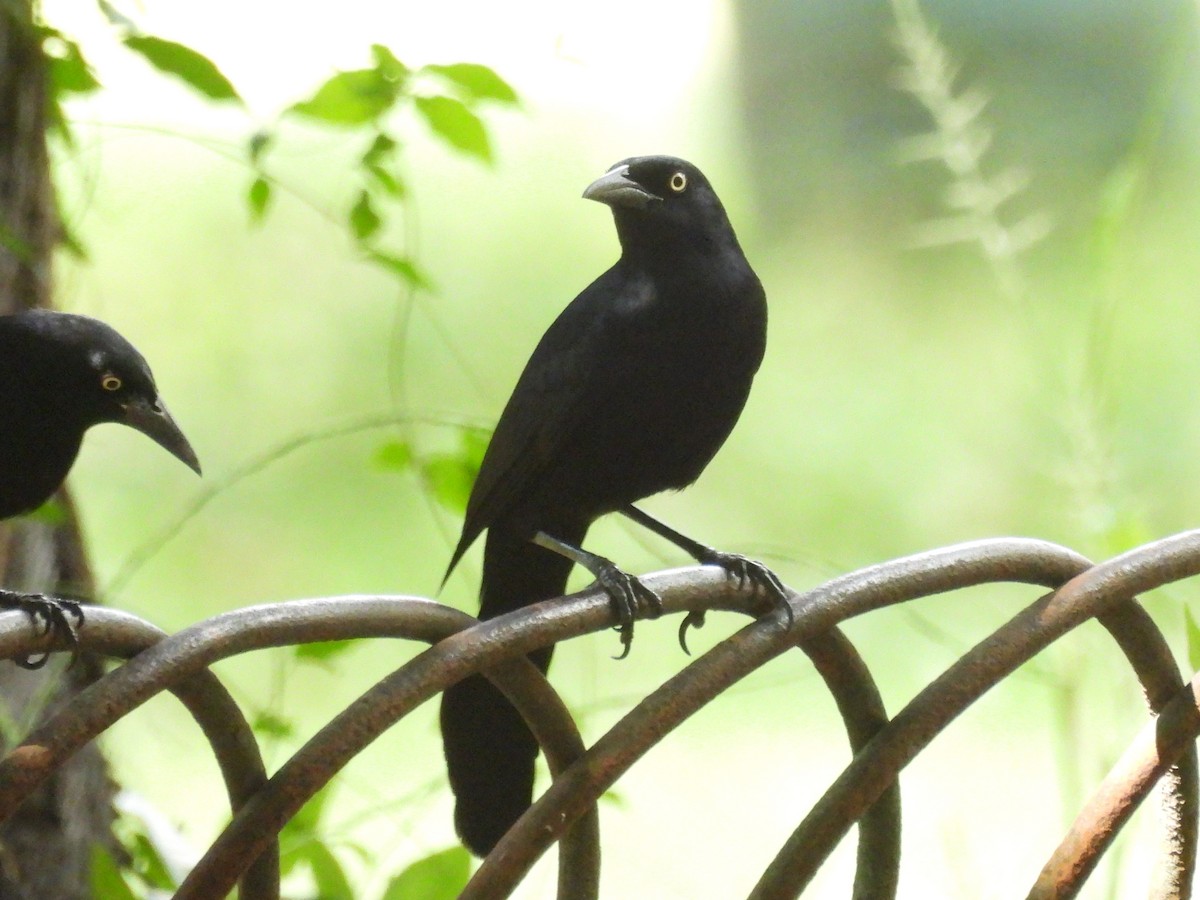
<point x="50" y="615"/>
<point x="754" y="573"/>
<point x="694" y="619"/>
<point x="629" y="597"/>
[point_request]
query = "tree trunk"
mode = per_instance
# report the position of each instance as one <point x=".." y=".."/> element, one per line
<point x="45" y="849"/>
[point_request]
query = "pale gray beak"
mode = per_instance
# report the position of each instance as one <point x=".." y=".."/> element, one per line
<point x="154" y="421"/>
<point x="615" y="189"/>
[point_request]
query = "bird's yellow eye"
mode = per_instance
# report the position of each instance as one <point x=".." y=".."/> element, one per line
<point x="110" y="382"/>
<point x="678" y="182"/>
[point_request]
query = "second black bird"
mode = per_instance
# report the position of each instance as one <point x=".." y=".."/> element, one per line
<point x="631" y="391"/>
<point x="60" y="374"/>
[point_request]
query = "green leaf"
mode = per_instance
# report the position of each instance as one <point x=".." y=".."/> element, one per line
<point x="106" y="878"/>
<point x="68" y="70"/>
<point x="387" y="65"/>
<point x="439" y="876"/>
<point x="381" y="148"/>
<point x="394" y="456"/>
<point x="1193" y="638"/>
<point x="49" y="513"/>
<point x="474" y="442"/>
<point x="615" y="798"/>
<point x="332" y="883"/>
<point x="147" y="861"/>
<point x="322" y="651"/>
<point x="196" y="69"/>
<point x="327" y="871"/>
<point x="259" y="196"/>
<point x="364" y="221"/>
<point x="458" y="126"/>
<point x="69" y="241"/>
<point x="386" y="180"/>
<point x="350" y="98"/>
<point x="272" y="725"/>
<point x="476" y="81"/>
<point x="143" y="857"/>
<point x="303" y="825"/>
<point x="450" y="477"/>
<point x="405" y="268"/>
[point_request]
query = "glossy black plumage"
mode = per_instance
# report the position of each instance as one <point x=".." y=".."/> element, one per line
<point x="631" y="391"/>
<point x="60" y="374"/>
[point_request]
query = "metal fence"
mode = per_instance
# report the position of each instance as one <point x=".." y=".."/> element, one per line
<point x="866" y="792"/>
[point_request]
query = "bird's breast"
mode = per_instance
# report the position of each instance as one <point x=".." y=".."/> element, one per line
<point x="664" y="399"/>
<point x="35" y="456"/>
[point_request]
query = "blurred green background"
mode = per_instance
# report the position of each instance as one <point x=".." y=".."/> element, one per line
<point x="984" y="323"/>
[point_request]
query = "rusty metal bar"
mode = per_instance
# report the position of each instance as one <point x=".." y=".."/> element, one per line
<point x="579" y="853"/>
<point x="877" y="873"/>
<point x="865" y="792"/>
<point x="1012" y="559"/>
<point x="857" y="696"/>
<point x="1164" y="746"/>
<point x="186" y="653"/>
<point x="1089" y="594"/>
<point x="1150" y="656"/>
<point x="116" y="634"/>
<point x="189" y="652"/>
<point x="449" y="661"/>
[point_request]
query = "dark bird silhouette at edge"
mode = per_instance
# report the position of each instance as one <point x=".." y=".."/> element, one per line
<point x="60" y="374"/>
<point x="631" y="391"/>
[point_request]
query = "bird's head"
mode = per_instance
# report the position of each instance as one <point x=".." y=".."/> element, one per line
<point x="100" y="377"/>
<point x="661" y="198"/>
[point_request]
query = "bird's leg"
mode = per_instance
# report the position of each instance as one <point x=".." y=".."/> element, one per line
<point x="629" y="596"/>
<point x="743" y="569"/>
<point x="49" y="615"/>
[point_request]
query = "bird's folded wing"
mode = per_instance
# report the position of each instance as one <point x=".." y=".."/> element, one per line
<point x="549" y="401"/>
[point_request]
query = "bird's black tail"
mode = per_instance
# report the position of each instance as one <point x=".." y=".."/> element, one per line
<point x="490" y="752"/>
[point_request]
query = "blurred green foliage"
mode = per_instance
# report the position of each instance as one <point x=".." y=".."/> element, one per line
<point x="359" y="99"/>
<point x="440" y="876"/>
<point x="984" y="319"/>
<point x="107" y="879"/>
<point x="196" y="69"/>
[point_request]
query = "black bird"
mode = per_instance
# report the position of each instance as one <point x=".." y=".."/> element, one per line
<point x="631" y="391"/>
<point x="60" y="374"/>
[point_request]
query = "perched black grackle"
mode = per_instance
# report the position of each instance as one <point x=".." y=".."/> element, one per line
<point x="631" y="391"/>
<point x="60" y="374"/>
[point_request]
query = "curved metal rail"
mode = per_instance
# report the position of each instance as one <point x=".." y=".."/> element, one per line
<point x="865" y="793"/>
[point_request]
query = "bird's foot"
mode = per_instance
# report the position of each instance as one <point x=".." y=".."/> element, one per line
<point x="50" y="615"/>
<point x="629" y="598"/>
<point x="745" y="571"/>
<point x="628" y="595"/>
